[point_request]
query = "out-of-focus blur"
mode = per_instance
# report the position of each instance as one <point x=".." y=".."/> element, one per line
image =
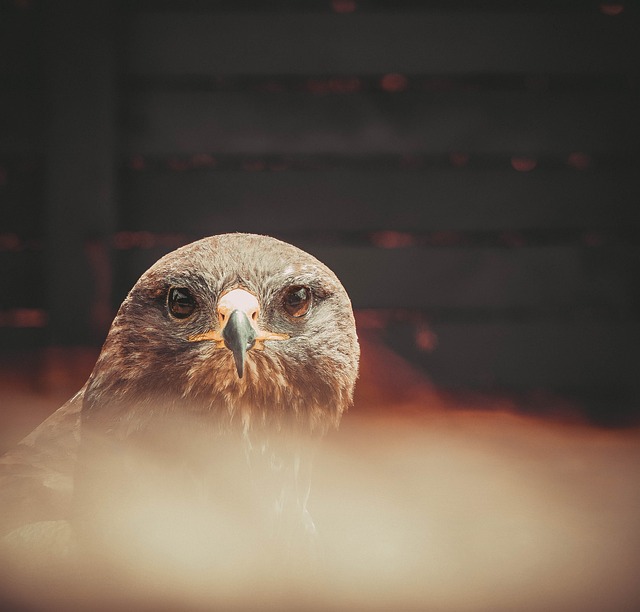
<point x="421" y="500"/>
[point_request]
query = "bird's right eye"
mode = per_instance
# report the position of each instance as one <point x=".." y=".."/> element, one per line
<point x="180" y="302"/>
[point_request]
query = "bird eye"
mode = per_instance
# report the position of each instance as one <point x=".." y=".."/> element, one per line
<point x="181" y="303"/>
<point x="297" y="301"/>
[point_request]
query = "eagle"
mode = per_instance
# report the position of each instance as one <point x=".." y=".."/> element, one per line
<point x="228" y="361"/>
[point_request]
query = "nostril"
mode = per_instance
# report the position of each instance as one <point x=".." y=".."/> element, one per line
<point x="254" y="315"/>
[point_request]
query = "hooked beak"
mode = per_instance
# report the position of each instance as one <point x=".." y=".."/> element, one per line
<point x="238" y="312"/>
<point x="239" y="337"/>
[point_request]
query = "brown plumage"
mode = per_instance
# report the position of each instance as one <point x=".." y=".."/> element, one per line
<point x="236" y="350"/>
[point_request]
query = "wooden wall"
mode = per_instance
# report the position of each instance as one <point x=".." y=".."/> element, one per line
<point x="470" y="174"/>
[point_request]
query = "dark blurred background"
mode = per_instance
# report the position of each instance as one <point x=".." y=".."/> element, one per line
<point x="470" y="170"/>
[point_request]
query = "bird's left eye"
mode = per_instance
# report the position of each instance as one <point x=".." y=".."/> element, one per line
<point x="297" y="301"/>
<point x="181" y="303"/>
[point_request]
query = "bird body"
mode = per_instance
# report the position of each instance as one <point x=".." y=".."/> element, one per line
<point x="225" y="364"/>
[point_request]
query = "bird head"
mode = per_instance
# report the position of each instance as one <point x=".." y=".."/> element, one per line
<point x="239" y="325"/>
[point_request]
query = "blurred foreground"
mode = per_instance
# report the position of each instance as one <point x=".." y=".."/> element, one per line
<point x="421" y="504"/>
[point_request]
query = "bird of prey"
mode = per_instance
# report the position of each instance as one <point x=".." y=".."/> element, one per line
<point x="226" y="362"/>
